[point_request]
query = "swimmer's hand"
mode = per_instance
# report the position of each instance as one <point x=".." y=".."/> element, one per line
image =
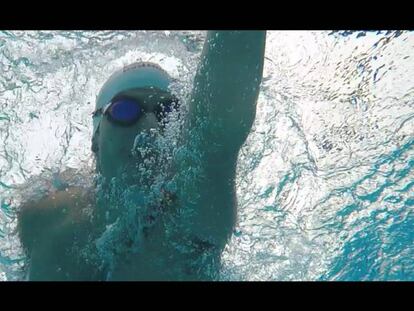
<point x="226" y="88"/>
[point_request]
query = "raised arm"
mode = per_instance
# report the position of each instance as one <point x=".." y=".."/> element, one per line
<point x="226" y="87"/>
<point x="221" y="114"/>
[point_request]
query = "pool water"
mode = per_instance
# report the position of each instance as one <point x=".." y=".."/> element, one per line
<point x="325" y="180"/>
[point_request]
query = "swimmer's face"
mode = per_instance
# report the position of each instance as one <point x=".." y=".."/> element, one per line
<point x="116" y="142"/>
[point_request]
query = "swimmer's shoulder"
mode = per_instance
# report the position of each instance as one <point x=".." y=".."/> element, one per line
<point x="56" y="211"/>
<point x="71" y="201"/>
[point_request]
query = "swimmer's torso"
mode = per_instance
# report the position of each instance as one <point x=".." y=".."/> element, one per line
<point x="61" y="233"/>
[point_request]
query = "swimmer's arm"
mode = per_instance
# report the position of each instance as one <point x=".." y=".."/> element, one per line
<point x="49" y="229"/>
<point x="38" y="221"/>
<point x="221" y="113"/>
<point x="226" y="87"/>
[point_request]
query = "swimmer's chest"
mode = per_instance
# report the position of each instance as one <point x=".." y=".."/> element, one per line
<point x="212" y="204"/>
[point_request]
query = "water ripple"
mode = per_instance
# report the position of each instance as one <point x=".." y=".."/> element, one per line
<point x="325" y="179"/>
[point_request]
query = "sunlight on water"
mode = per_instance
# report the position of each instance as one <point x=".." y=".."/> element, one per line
<point x="325" y="179"/>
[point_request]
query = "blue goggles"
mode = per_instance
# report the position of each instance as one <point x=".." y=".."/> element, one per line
<point x="126" y="111"/>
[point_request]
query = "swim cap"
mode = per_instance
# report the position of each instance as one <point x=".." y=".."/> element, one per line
<point x="136" y="75"/>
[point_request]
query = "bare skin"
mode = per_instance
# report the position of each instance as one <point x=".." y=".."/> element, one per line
<point x="222" y="111"/>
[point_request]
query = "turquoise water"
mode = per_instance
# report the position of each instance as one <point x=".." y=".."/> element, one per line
<point x="325" y="180"/>
<point x="382" y="247"/>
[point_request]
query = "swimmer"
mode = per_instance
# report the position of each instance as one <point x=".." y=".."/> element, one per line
<point x="54" y="231"/>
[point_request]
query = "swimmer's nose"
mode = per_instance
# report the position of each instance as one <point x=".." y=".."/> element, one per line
<point x="150" y="121"/>
<point x="143" y="140"/>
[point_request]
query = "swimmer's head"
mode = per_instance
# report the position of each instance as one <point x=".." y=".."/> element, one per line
<point x="134" y="100"/>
